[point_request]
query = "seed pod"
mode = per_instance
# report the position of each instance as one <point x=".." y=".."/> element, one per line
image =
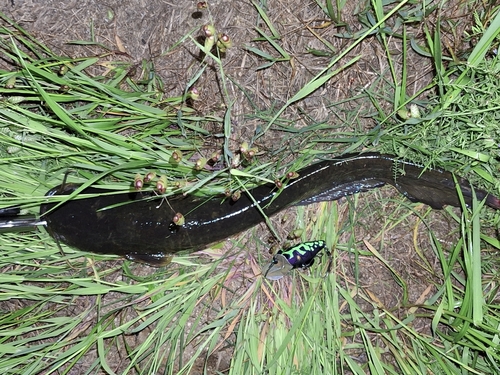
<point x="252" y="152"/>
<point x="194" y="94"/>
<point x="404" y="114"/>
<point x="221" y="47"/>
<point x="236" y="195"/>
<point x="292" y="175"/>
<point x="200" y="164"/>
<point x="138" y="182"/>
<point x="216" y="156"/>
<point x="13" y="149"/>
<point x="202" y="5"/>
<point x="227" y="193"/>
<point x="244" y="147"/>
<point x="414" y="111"/>
<point x="296" y="233"/>
<point x="176" y="156"/>
<point x="278" y="183"/>
<point x="209" y="31"/>
<point x="224" y="42"/>
<point x="179" y="184"/>
<point x="64" y="88"/>
<point x="161" y="185"/>
<point x="179" y="219"/>
<point x="63" y="70"/>
<point x="16" y="99"/>
<point x="149" y="177"/>
<point x="209" y="42"/>
<point x="11" y="83"/>
<point x="235" y="163"/>
<point x="110" y="16"/>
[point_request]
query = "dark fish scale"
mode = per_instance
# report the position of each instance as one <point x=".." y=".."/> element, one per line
<point x="141" y="229"/>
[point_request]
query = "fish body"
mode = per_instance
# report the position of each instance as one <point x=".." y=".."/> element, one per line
<point x="140" y="225"/>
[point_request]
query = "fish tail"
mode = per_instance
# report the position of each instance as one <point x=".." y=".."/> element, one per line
<point x="493" y="201"/>
<point x="10" y="221"/>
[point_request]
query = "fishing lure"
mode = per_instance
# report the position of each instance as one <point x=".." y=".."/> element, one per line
<point x="138" y="227"/>
<point x="298" y="256"/>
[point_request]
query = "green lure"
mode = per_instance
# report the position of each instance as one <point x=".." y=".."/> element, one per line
<point x="298" y="256"/>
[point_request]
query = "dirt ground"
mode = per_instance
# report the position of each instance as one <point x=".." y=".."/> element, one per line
<point x="138" y="30"/>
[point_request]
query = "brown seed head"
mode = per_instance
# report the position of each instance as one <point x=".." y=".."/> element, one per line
<point x="179" y="219"/>
<point x="149" y="177"/>
<point x="138" y="182"/>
